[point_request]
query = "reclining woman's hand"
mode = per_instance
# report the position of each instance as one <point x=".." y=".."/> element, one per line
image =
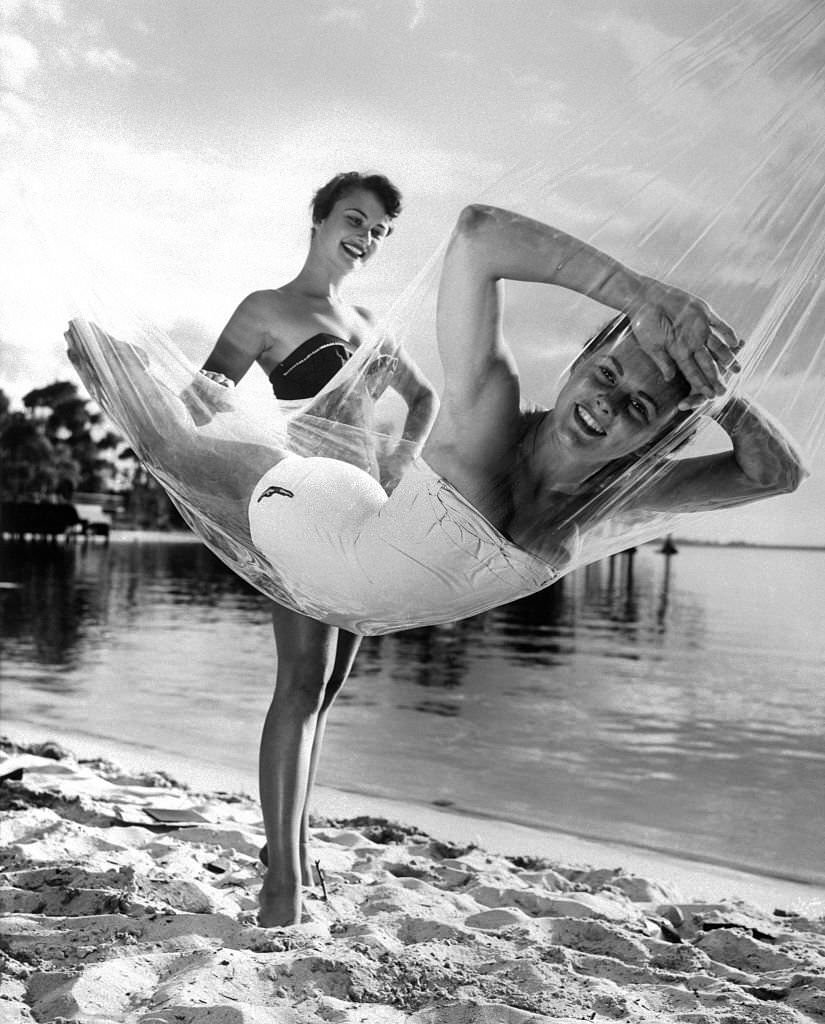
<point x="680" y="331"/>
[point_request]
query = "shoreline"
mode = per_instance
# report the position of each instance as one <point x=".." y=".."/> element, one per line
<point x="139" y="535"/>
<point x="706" y="879"/>
<point x="123" y="534"/>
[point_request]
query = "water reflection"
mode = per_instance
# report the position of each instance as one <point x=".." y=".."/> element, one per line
<point x="58" y="596"/>
<point x="45" y="607"/>
<point x="636" y="697"/>
<point x="61" y="591"/>
<point x="432" y="658"/>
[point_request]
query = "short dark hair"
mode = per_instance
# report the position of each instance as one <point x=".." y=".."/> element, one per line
<point x="349" y="181"/>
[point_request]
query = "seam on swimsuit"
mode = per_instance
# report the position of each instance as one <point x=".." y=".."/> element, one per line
<point x="314" y="352"/>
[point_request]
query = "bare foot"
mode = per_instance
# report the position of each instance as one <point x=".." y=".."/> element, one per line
<point x="280" y="906"/>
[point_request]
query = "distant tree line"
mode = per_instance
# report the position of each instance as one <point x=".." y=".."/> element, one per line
<point x="59" y="444"/>
<point x="55" y="445"/>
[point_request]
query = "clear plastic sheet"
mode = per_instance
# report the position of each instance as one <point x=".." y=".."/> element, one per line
<point x="206" y="446"/>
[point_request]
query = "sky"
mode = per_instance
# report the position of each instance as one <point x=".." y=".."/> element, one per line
<point x="162" y="154"/>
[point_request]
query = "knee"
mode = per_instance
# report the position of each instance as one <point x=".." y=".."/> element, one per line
<point x="332" y="689"/>
<point x="302" y="687"/>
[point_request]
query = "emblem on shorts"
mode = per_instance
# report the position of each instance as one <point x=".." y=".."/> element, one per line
<point x="268" y="493"/>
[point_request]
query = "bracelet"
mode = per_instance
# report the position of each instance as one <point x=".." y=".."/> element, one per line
<point x="219" y="378"/>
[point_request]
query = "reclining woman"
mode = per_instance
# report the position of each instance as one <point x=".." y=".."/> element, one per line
<point x="492" y="509"/>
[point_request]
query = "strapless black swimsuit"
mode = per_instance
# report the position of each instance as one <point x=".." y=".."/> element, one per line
<point x="310" y="366"/>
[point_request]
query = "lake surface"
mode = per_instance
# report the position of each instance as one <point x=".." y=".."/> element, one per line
<point x="677" y="703"/>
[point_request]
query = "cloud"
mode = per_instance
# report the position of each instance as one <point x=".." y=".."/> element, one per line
<point x="419" y="13"/>
<point x="51" y="11"/>
<point x="357" y="11"/>
<point x="641" y="41"/>
<point x="553" y="112"/>
<point x="456" y="56"/>
<point x="24" y="366"/>
<point x="732" y="80"/>
<point x="341" y="13"/>
<point x="18" y="59"/>
<point x="50" y="44"/>
<point x="48" y="10"/>
<point x="10" y="9"/>
<point x="107" y="228"/>
<point x="15" y="112"/>
<point x="168" y="172"/>
<point x="110" y="61"/>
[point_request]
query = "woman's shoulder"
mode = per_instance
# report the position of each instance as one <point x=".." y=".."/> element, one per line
<point x="272" y="310"/>
<point x="266" y="299"/>
<point x="257" y="309"/>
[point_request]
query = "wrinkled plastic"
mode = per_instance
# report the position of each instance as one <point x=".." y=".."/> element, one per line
<point x="773" y="294"/>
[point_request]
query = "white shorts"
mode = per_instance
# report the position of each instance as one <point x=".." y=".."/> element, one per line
<point x="352" y="556"/>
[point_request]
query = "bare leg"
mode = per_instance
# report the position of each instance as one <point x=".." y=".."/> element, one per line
<point x="346" y="650"/>
<point x="306" y="655"/>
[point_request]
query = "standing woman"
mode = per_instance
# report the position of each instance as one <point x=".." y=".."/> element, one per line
<point x="301" y="334"/>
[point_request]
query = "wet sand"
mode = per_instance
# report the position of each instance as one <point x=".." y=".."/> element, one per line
<point x="130" y="897"/>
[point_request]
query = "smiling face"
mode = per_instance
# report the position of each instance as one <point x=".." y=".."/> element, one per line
<point x="353" y="230"/>
<point x="615" y="402"/>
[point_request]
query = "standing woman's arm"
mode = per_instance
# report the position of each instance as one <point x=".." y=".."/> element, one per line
<point x="238" y="347"/>
<point x="422" y="404"/>
<point x="420" y="397"/>
<point x="243" y="339"/>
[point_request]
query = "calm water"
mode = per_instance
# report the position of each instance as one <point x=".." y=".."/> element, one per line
<point x="680" y="706"/>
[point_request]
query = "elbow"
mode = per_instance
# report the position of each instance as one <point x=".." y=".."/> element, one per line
<point x="475" y="222"/>
<point x="476" y="240"/>
<point x="473" y="217"/>
<point x="425" y="404"/>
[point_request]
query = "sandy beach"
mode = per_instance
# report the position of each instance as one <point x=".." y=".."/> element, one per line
<point x="131" y="897"/>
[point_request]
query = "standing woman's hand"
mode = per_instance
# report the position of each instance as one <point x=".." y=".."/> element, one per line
<point x="680" y="331"/>
<point x="394" y="465"/>
<point x="206" y="396"/>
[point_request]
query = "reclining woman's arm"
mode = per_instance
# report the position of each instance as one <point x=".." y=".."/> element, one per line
<point x="763" y="461"/>
<point x="676" y="329"/>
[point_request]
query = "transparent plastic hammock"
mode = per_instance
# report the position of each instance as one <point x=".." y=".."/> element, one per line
<point x="747" y="235"/>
